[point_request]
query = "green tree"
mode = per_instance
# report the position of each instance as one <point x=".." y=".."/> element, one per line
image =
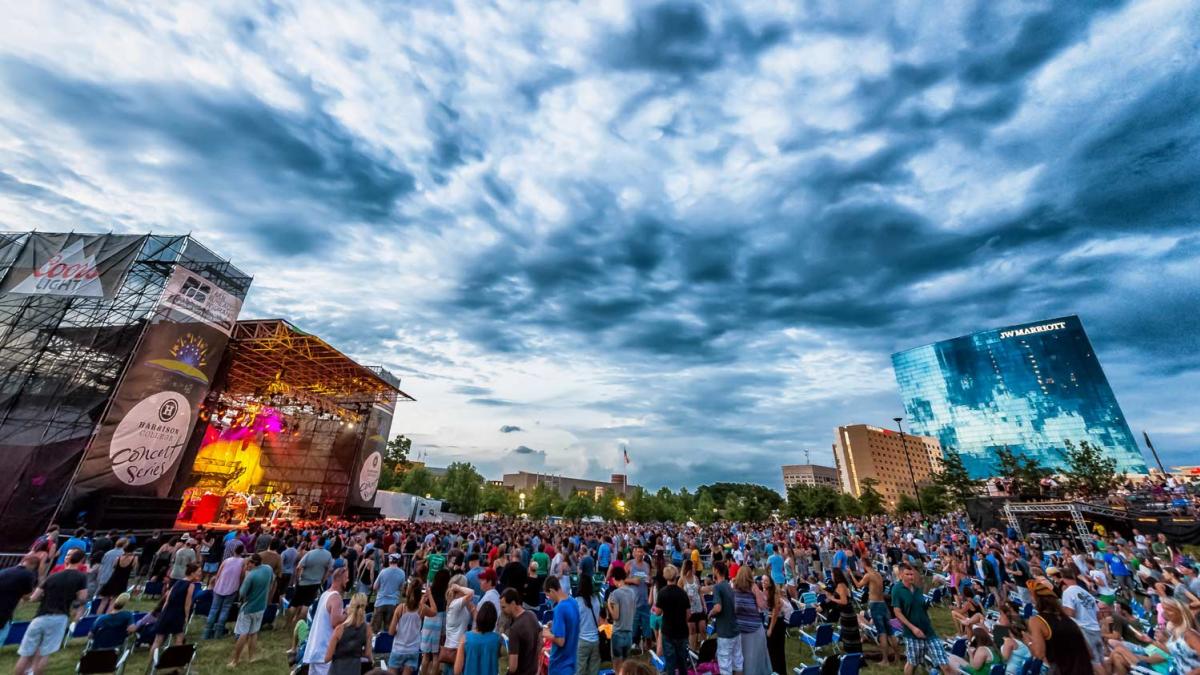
<point x="419" y="481"/>
<point x="955" y="480"/>
<point x="869" y="498"/>
<point x="395" y="462"/>
<point x="498" y="499"/>
<point x="935" y="500"/>
<point x="1024" y="472"/>
<point x="706" y="509"/>
<point x="1089" y="472"/>
<point x="848" y="505"/>
<point x="906" y="504"/>
<point x="462" y="487"/>
<point x="759" y="499"/>
<point x="606" y="507"/>
<point x="686" y="503"/>
<point x="544" y="502"/>
<point x="812" y="501"/>
<point x="578" y="506"/>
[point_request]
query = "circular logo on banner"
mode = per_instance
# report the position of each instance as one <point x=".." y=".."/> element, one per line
<point x="150" y="438"/>
<point x="368" y="476"/>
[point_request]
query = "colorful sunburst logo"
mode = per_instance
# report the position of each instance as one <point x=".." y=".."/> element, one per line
<point x="188" y="355"/>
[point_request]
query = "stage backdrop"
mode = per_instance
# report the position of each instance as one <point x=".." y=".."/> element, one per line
<point x="152" y="415"/>
<point x="67" y="329"/>
<point x="370" y="457"/>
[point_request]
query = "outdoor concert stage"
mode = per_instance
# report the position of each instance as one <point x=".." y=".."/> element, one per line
<point x="131" y="397"/>
<point x="283" y="438"/>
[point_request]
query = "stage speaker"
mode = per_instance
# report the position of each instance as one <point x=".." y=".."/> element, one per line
<point x="122" y="512"/>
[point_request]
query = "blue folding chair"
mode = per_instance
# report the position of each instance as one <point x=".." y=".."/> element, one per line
<point x="823" y="637"/>
<point x="1032" y="667"/>
<point x="850" y="664"/>
<point x="959" y="648"/>
<point x="83" y="626"/>
<point x="16" y="633"/>
<point x="806" y="670"/>
<point x="382" y="645"/>
<point x="997" y="669"/>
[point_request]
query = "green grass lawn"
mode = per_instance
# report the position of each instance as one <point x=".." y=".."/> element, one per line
<point x="212" y="655"/>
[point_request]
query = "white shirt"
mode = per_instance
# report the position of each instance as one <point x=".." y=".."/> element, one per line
<point x="458" y="617"/>
<point x="1084" y="606"/>
<point x="1101" y="580"/>
<point x="321" y="631"/>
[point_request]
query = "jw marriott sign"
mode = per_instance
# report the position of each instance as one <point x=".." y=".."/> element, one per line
<point x="1044" y="328"/>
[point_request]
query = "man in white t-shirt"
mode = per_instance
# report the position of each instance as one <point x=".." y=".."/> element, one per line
<point x="1082" y="607"/>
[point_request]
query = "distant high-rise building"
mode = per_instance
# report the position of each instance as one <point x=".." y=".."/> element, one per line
<point x="810" y="474"/>
<point x="1028" y="387"/>
<point x="862" y="451"/>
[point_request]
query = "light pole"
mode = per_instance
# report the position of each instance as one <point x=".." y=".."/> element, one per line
<point x="904" y="443"/>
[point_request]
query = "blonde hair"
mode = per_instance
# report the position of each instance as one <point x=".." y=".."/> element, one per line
<point x="356" y="611"/>
<point x="1187" y="620"/>
<point x="456" y="580"/>
<point x="670" y="573"/>
<point x="121" y="601"/>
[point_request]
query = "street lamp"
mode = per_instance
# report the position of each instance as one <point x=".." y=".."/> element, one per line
<point x="904" y="442"/>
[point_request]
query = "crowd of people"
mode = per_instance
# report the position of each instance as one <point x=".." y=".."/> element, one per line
<point x="563" y="598"/>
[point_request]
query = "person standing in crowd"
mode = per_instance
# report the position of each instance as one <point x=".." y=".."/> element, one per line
<point x="843" y="600"/>
<point x="460" y="605"/>
<point x="254" y="591"/>
<point x="563" y="632"/>
<point x="690" y="582"/>
<point x="1053" y="636"/>
<point x="224" y="593"/>
<point x="622" y="607"/>
<point x="749" y="604"/>
<point x="176" y="608"/>
<point x="724" y="617"/>
<point x="776" y="625"/>
<point x="524" y="635"/>
<point x="388" y="585"/>
<point x="328" y="615"/>
<point x="587" y="601"/>
<point x="59" y="595"/>
<point x="351" y="640"/>
<point x="16" y="583"/>
<point x="878" y="613"/>
<point x="433" y="615"/>
<point x="487" y="582"/>
<point x="76" y="541"/>
<point x="920" y="640"/>
<point x="675" y="608"/>
<point x="184" y="555"/>
<point x="117" y="567"/>
<point x="1081" y="606"/>
<point x="405" y="627"/>
<point x="311" y="572"/>
<point x="479" y="651"/>
<point x="638" y="576"/>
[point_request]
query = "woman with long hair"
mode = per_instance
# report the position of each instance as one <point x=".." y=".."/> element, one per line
<point x="1183" y="637"/>
<point x="1013" y="648"/>
<point x="433" y="611"/>
<point x="1054" y="637"/>
<point x="981" y="654"/>
<point x="697" y="618"/>
<point x="459" y="608"/>
<point x="776" y="625"/>
<point x="405" y="627"/>
<point x="748" y="604"/>
<point x="351" y="640"/>
<point x="587" y="654"/>
<point x="843" y="600"/>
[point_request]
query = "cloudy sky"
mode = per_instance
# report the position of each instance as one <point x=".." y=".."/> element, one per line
<point x="697" y="228"/>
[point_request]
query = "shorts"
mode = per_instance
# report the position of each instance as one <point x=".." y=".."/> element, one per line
<point x="622" y="643"/>
<point x="641" y="623"/>
<point x="44" y="635"/>
<point x="917" y="650"/>
<point x="431" y="633"/>
<point x="880" y="618"/>
<point x="398" y="661"/>
<point x="305" y="595"/>
<point x="729" y="654"/>
<point x="697" y="617"/>
<point x="248" y="623"/>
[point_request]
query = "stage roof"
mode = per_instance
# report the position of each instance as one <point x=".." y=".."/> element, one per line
<point x="273" y="352"/>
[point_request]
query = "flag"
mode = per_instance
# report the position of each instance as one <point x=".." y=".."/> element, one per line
<point x="626" y="451"/>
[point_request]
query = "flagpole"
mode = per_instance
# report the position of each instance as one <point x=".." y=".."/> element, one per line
<point x="1154" y="452"/>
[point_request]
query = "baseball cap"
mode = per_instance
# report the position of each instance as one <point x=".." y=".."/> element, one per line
<point x="489" y="574"/>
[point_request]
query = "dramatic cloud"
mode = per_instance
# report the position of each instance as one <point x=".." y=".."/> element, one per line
<point x="695" y="230"/>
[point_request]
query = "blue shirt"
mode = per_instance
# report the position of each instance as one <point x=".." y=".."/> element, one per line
<point x="776" y="563"/>
<point x="473" y="582"/>
<point x="1118" y="567"/>
<point x="604" y="555"/>
<point x="566" y="625"/>
<point x="481" y="653"/>
<point x="73" y="542"/>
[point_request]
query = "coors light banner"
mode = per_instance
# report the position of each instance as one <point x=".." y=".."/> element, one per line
<point x="147" y="427"/>
<point x="76" y="265"/>
<point x="365" y="481"/>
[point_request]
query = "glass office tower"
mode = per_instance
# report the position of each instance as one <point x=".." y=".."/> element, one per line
<point x="1028" y="387"/>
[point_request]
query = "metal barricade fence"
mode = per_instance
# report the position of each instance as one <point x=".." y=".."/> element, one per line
<point x="10" y="560"/>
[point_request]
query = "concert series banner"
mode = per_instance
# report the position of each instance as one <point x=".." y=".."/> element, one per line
<point x="155" y="408"/>
<point x="75" y="265"/>
<point x="369" y="464"/>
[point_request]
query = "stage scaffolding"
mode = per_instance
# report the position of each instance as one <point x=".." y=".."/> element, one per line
<point x="62" y="357"/>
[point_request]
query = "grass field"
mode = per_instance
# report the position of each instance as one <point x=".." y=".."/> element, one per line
<point x="212" y="655"/>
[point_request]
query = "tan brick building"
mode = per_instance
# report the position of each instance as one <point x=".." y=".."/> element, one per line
<point x="863" y="451"/>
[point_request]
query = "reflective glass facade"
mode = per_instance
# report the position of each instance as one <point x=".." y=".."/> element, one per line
<point x="1028" y="387"/>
